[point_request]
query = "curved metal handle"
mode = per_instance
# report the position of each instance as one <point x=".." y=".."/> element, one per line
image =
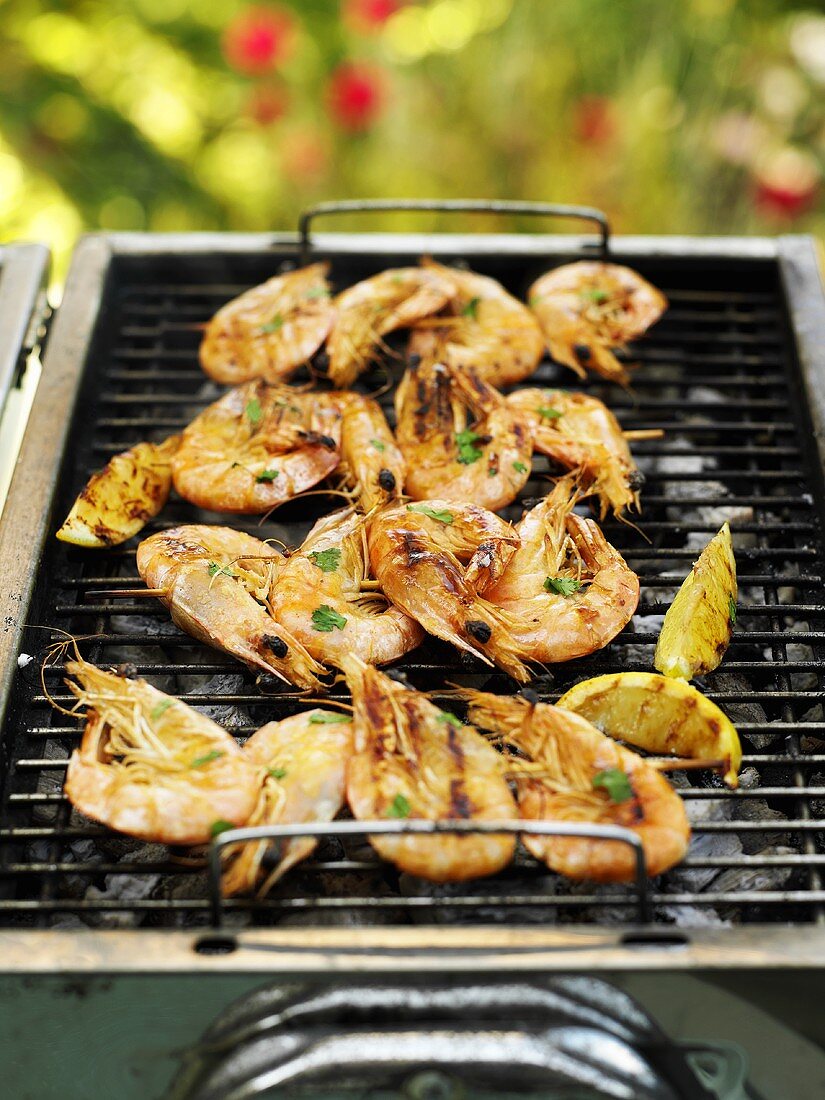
<point x="458" y="206"/>
<point x="424" y="828"/>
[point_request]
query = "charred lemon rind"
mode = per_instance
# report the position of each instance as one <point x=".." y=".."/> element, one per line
<point x="699" y="623"/>
<point x="663" y="716"/>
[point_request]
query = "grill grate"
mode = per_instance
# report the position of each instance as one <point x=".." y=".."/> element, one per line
<point x="718" y="374"/>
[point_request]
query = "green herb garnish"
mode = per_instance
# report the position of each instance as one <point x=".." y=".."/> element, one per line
<point x="207" y="758"/>
<point x="379" y="446"/>
<point x="274" y="325"/>
<point x="424" y="510"/>
<point x="593" y="294"/>
<point x="277" y="773"/>
<point x="160" y="709"/>
<point x="548" y="413"/>
<point x="616" y="783"/>
<point x="445" y="716"/>
<point x="471" y="309"/>
<point x="563" y="586"/>
<point x="326" y="560"/>
<point x="326" y="619"/>
<point x="491" y="471"/>
<point x="328" y="719"/>
<point x="399" y="807"/>
<point x="215" y="569"/>
<point x="732" y="610"/>
<point x="519" y="467"/>
<point x="467" y="450"/>
<point x="317" y="292"/>
<point x="220" y="826"/>
<point x="267" y="475"/>
<point x="254" y="412"/>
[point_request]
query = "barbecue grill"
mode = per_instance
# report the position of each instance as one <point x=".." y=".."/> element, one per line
<point x="734" y="374"/>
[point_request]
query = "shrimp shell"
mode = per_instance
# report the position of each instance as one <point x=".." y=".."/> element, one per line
<point x="579" y="328"/>
<point x="302" y="766"/>
<point x="371" y="309"/>
<point x="270" y="330"/>
<point x="438" y="407"/>
<point x="483" y="328"/>
<point x="256" y="446"/>
<point x="567" y="756"/>
<point x="411" y="761"/>
<point x="150" y="766"/>
<point x="371" y="462"/>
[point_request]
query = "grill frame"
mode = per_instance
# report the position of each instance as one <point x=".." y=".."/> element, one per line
<point x="23" y="272"/>
<point x="30" y="520"/>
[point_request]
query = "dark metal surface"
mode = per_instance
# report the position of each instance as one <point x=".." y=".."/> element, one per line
<point x="719" y="372"/>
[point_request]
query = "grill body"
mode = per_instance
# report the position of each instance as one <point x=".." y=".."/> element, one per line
<point x="735" y="375"/>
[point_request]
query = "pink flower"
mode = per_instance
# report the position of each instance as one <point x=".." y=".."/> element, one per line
<point x="594" y="120"/>
<point x="356" y="95"/>
<point x="368" y="16"/>
<point x="259" y="39"/>
<point x="786" y="185"/>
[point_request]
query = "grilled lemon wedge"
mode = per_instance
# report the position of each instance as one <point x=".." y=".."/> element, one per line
<point x="698" y="626"/>
<point x="662" y="716"/>
<point x="119" y="500"/>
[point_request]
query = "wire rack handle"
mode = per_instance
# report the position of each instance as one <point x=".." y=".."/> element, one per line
<point x="458" y="206"/>
<point x="425" y="828"/>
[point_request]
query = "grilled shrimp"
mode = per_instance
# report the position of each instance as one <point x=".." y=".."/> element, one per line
<point x="576" y="774"/>
<point x="566" y="591"/>
<point x="271" y="330"/>
<point x="413" y="760"/>
<point x="434" y="560"/>
<point x="152" y="767"/>
<point x="256" y="446"/>
<point x="483" y="328"/>
<point x="459" y="438"/>
<point x="371" y="309"/>
<point x="216" y="583"/>
<point x="301" y="763"/>
<point x="371" y="462"/>
<point x="322" y="595"/>
<point x="586" y="309"/>
<point x="582" y="434"/>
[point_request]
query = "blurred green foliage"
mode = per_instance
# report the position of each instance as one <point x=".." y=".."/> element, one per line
<point x="703" y="116"/>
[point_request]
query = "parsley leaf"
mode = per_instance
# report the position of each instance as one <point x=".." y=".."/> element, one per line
<point x="593" y="294"/>
<point x="317" y="292"/>
<point x="732" y="610"/>
<point x="274" y="325"/>
<point x="616" y="783"/>
<point x="445" y="716"/>
<point x="215" y="569"/>
<point x="467" y="450"/>
<point x="534" y="299"/>
<point x="519" y="467"/>
<point x="328" y="718"/>
<point x="563" y="586"/>
<point x="442" y="517"/>
<point x="471" y="309"/>
<point x="399" y="807"/>
<point x="160" y="709"/>
<point x="207" y="758"/>
<point x="325" y="619"/>
<point x="548" y="413"/>
<point x="254" y="412"/>
<point x="326" y="560"/>
<point x="277" y="773"/>
<point x="220" y="826"/>
<point x="379" y="446"/>
<point x="267" y="475"/>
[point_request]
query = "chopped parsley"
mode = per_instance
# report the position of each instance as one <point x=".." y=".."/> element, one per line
<point x="326" y="619"/>
<point x="519" y="467"/>
<point x="467" y="450"/>
<point x="254" y="412"/>
<point x="732" y="610"/>
<point x="379" y="446"/>
<point x="492" y="471"/>
<point x="220" y="826"/>
<point x="317" y="292"/>
<point x="535" y="299"/>
<point x="274" y="325"/>
<point x="445" y="716"/>
<point x="215" y="569"/>
<point x="207" y="758"/>
<point x="616" y="783"/>
<point x="593" y="294"/>
<point x="160" y="709"/>
<point x="277" y="773"/>
<point x="424" y="510"/>
<point x="267" y="475"/>
<point x="563" y="586"/>
<point x="471" y="308"/>
<point x="399" y="807"/>
<point x="327" y="718"/>
<point x="326" y="560"/>
<point x="546" y="412"/>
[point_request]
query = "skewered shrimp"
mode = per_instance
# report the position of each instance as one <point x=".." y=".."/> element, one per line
<point x="371" y="309"/>
<point x="322" y="596"/>
<point x="256" y="446"/>
<point x="483" y="328"/>
<point x="587" y="308"/>
<point x="215" y="582"/>
<point x="434" y="560"/>
<point x="566" y="591"/>
<point x="271" y="330"/>
<point x="301" y="762"/>
<point x="577" y="774"/>
<point x="581" y="433"/>
<point x="414" y="761"/>
<point x="459" y="438"/>
<point x="371" y="462"/>
<point x="152" y="767"/>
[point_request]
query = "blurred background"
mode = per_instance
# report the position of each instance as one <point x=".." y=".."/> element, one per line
<point x="706" y="116"/>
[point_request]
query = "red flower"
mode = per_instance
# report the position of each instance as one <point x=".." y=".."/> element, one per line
<point x="268" y="103"/>
<point x="258" y="39"/>
<point x="786" y="185"/>
<point x="368" y="15"/>
<point x="356" y="94"/>
<point x="594" y="120"/>
<point x="783" y="203"/>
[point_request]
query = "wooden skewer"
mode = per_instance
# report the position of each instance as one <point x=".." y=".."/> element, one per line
<point x="644" y="433"/>
<point x="125" y="593"/>
<point x="678" y="764"/>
